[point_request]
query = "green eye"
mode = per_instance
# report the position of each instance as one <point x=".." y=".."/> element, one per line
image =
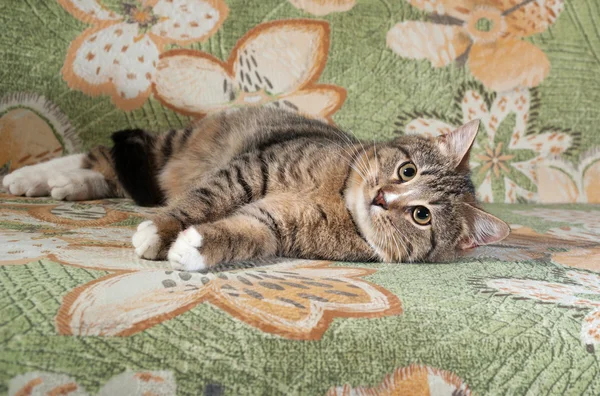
<point x="421" y="215"/>
<point x="407" y="171"/>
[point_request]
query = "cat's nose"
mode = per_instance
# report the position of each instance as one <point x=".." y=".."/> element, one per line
<point x="379" y="200"/>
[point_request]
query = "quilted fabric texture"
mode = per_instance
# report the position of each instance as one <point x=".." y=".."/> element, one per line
<point x="79" y="314"/>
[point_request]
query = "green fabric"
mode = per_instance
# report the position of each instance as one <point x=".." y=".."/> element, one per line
<point x="381" y="85"/>
<point x="79" y="312"/>
<point x="452" y="318"/>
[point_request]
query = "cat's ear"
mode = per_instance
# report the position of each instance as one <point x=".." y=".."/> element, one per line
<point x="484" y="228"/>
<point x="457" y="144"/>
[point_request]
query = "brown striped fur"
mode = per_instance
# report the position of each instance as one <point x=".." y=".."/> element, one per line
<point x="259" y="182"/>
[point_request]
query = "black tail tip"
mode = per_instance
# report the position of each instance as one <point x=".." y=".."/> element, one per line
<point x="131" y="135"/>
<point x="135" y="166"/>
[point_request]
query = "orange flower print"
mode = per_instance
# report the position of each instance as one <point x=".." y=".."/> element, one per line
<point x="33" y="130"/>
<point x="488" y="33"/>
<point x="560" y="181"/>
<point x="524" y="244"/>
<point x="565" y="294"/>
<point x="118" y="55"/>
<point x="78" y="234"/>
<point x="275" y="64"/>
<point x="583" y="225"/>
<point x="414" y="380"/>
<point x="294" y="299"/>
<point x="130" y="382"/>
<point x="588" y="259"/>
<point x="323" y="7"/>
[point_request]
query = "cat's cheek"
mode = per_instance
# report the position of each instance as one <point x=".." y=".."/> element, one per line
<point x="184" y="254"/>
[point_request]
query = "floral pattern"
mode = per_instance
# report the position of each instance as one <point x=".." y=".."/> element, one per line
<point x="524" y="243"/>
<point x="411" y="380"/>
<point x="32" y="130"/>
<point x="559" y="181"/>
<point x="275" y="64"/>
<point x="507" y="153"/>
<point x="583" y="225"/>
<point x="323" y="7"/>
<point x="81" y="314"/>
<point x="118" y="55"/>
<point x="567" y="294"/>
<point x="293" y="299"/>
<point x="272" y="305"/>
<point x="128" y="383"/>
<point x="488" y="34"/>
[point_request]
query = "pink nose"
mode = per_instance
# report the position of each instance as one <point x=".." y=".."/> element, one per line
<point x="379" y="200"/>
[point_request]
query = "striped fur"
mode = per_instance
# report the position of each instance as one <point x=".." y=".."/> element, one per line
<point x="257" y="183"/>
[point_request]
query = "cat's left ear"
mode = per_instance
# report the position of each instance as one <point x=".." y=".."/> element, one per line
<point x="484" y="228"/>
<point x="457" y="144"/>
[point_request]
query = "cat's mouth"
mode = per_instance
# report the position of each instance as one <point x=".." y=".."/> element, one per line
<point x="379" y="200"/>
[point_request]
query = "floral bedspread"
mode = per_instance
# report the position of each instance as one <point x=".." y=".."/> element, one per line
<point x="80" y="314"/>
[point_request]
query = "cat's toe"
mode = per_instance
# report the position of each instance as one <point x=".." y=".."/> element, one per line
<point x="76" y="185"/>
<point x="24" y="182"/>
<point x="146" y="241"/>
<point x="184" y="254"/>
<point x="60" y="187"/>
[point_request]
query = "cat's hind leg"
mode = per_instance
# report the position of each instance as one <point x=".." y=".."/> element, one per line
<point x="73" y="178"/>
<point x="32" y="180"/>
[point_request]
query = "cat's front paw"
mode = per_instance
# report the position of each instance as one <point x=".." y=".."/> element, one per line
<point x="184" y="254"/>
<point x="147" y="241"/>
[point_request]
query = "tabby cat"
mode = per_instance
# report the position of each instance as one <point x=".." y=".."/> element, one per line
<point x="258" y="182"/>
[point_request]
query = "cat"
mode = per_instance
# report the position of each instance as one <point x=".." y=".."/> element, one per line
<point x="256" y="183"/>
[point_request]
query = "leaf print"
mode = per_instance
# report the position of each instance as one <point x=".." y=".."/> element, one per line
<point x="565" y="294"/>
<point x="506" y="154"/>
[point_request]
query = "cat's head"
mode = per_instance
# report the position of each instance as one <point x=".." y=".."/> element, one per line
<point x="413" y="198"/>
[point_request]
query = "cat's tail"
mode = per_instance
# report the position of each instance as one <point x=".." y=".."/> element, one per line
<point x="137" y="158"/>
<point x="130" y="166"/>
<point x="129" y="169"/>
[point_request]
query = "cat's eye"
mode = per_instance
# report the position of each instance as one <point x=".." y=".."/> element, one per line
<point x="407" y="171"/>
<point x="421" y="215"/>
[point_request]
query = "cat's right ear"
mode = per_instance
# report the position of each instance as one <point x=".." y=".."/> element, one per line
<point x="484" y="228"/>
<point x="457" y="144"/>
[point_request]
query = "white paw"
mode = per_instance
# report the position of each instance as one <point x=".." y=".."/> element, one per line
<point x="146" y="240"/>
<point x="33" y="180"/>
<point x="77" y="185"/>
<point x="27" y="181"/>
<point x="184" y="254"/>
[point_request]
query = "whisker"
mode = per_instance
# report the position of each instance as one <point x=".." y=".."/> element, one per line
<point x="400" y="237"/>
<point x="364" y="163"/>
<point x="376" y="163"/>
<point x="350" y="162"/>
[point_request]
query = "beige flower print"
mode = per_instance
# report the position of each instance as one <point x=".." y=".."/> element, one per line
<point x="566" y="294"/>
<point x="489" y="34"/>
<point x="275" y="64"/>
<point x="118" y="55"/>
